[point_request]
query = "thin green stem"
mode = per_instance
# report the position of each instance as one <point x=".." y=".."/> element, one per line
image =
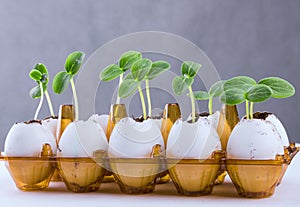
<point x="210" y="104"/>
<point x="75" y="99"/>
<point x="247" y="109"/>
<point x="120" y="82"/>
<point x="143" y="102"/>
<point x="193" y="104"/>
<point x="148" y="98"/>
<point x="41" y="102"/>
<point x="251" y="110"/>
<point x="49" y="103"/>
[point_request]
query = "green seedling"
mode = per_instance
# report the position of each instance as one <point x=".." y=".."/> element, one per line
<point x="63" y="78"/>
<point x="184" y="82"/>
<point x="156" y="69"/>
<point x="114" y="71"/>
<point x="132" y="81"/>
<point x="245" y="89"/>
<point x="40" y="74"/>
<point x="126" y="62"/>
<point x="215" y="90"/>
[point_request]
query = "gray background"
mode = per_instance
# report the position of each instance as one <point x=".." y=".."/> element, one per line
<point x="258" y="38"/>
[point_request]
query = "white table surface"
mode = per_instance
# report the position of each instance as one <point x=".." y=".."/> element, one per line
<point x="286" y="194"/>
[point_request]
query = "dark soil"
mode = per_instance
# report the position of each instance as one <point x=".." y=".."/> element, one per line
<point x="51" y="117"/>
<point x="33" y="121"/>
<point x="261" y="115"/>
<point x="139" y="119"/>
<point x="202" y="114"/>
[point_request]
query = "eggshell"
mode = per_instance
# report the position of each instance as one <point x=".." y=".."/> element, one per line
<point x="81" y="139"/>
<point x="131" y="139"/>
<point x="214" y="118"/>
<point x="158" y="122"/>
<point x="279" y="126"/>
<point x="254" y="139"/>
<point x="192" y="140"/>
<point x="102" y="120"/>
<point x="51" y="124"/>
<point x="27" y="139"/>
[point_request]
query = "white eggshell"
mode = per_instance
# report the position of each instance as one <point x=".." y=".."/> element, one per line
<point x="158" y="122"/>
<point x="100" y="119"/>
<point x="81" y="139"/>
<point x="192" y="140"/>
<point x="51" y="124"/>
<point x="279" y="126"/>
<point x="254" y="139"/>
<point x="28" y="139"/>
<point x="214" y="118"/>
<point x="131" y="139"/>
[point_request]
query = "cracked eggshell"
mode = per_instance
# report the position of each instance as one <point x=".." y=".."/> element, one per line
<point x="51" y="123"/>
<point x="27" y="139"/>
<point x="279" y="126"/>
<point x="214" y="118"/>
<point x="254" y="139"/>
<point x="102" y="120"/>
<point x="81" y="139"/>
<point x="131" y="139"/>
<point x="192" y="140"/>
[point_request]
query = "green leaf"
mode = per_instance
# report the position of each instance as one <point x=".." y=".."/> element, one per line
<point x="35" y="92"/>
<point x="201" y="95"/>
<point x="157" y="68"/>
<point x="128" y="58"/>
<point x="74" y="62"/>
<point x="140" y="69"/>
<point x="35" y="75"/>
<point x="39" y="73"/>
<point x="111" y="72"/>
<point x="190" y="69"/>
<point x="240" y="82"/>
<point x="129" y="77"/>
<point x="61" y="82"/>
<point x="233" y="96"/>
<point x="259" y="93"/>
<point x="41" y="67"/>
<point x="181" y="84"/>
<point x="128" y="87"/>
<point x="280" y="87"/>
<point x="216" y="89"/>
<point x="44" y="78"/>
